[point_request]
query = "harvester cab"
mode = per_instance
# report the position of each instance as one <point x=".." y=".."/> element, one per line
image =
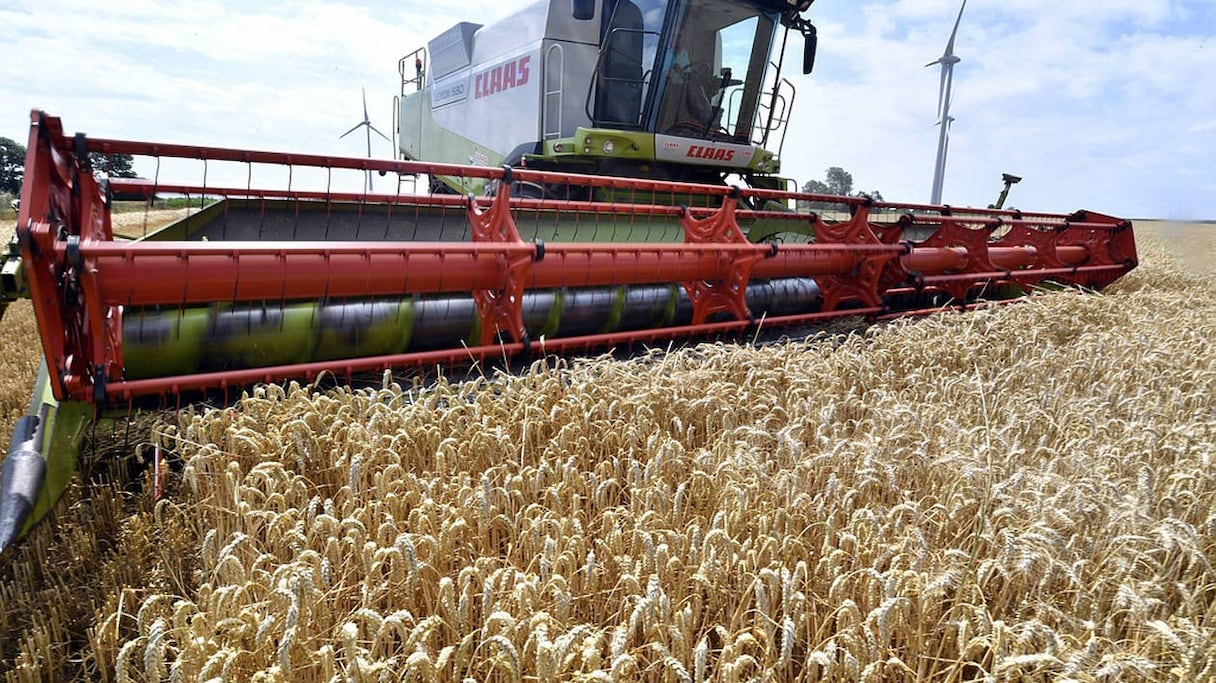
<point x="682" y="90"/>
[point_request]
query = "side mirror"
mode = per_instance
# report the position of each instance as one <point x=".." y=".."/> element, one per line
<point x="583" y="9"/>
<point x="808" y="50"/>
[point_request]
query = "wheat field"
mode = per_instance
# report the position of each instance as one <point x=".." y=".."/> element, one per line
<point x="1024" y="492"/>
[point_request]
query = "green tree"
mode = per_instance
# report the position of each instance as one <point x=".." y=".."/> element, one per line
<point x="839" y="181"/>
<point x="816" y="187"/>
<point x="113" y="165"/>
<point x="12" y="166"/>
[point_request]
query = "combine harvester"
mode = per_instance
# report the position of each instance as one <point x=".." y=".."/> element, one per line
<point x="599" y="175"/>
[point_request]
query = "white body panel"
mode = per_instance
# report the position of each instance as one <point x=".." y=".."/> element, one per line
<point x="705" y="152"/>
<point x="499" y="101"/>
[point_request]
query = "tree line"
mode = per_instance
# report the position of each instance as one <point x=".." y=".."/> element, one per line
<point x="838" y="182"/>
<point x="12" y="165"/>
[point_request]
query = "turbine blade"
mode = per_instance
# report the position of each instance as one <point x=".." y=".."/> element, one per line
<point x="949" y="93"/>
<point x="941" y="94"/>
<point x="957" y="21"/>
<point x="365" y="119"/>
<point x="379" y="133"/>
<point x="355" y="128"/>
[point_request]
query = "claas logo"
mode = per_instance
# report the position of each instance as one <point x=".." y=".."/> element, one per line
<point x="710" y="153"/>
<point x="506" y="76"/>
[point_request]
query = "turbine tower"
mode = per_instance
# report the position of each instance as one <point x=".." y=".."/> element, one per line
<point x="367" y="183"/>
<point x="947" y="60"/>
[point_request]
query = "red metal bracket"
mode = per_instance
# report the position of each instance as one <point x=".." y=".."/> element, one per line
<point x="1109" y="242"/>
<point x="953" y="234"/>
<point x="1043" y="241"/>
<point x="81" y="338"/>
<point x="501" y="309"/>
<point x="863" y="283"/>
<point x="729" y="294"/>
<point x="895" y="272"/>
<point x="101" y="324"/>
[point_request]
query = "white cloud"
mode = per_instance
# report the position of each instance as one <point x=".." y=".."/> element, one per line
<point x="1095" y="103"/>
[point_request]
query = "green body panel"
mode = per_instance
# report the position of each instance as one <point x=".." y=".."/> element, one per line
<point x="764" y="229"/>
<point x="428" y="141"/>
<point x="774" y="182"/>
<point x="183" y="229"/>
<point x="12" y="276"/>
<point x="63" y="432"/>
<point x="766" y="162"/>
<point x="587" y="144"/>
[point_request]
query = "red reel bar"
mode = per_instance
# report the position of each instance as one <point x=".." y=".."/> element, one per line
<point x="182" y="273"/>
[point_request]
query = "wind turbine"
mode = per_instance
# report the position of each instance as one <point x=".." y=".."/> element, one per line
<point x="367" y="185"/>
<point x="941" y="162"/>
<point x="947" y="60"/>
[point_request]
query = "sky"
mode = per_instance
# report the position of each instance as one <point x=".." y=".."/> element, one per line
<point x="1106" y="105"/>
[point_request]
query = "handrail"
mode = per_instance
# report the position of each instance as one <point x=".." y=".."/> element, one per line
<point x="420" y="64"/>
<point x="558" y="92"/>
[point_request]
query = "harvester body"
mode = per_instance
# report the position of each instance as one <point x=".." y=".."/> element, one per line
<point x="680" y="90"/>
